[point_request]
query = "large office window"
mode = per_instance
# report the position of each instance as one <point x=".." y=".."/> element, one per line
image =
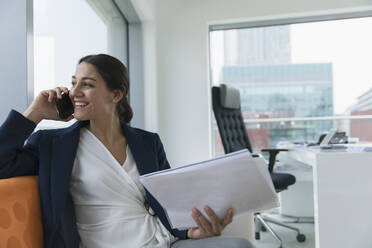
<point x="65" y="31"/>
<point x="297" y="81"/>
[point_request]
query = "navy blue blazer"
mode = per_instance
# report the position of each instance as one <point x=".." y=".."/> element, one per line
<point x="50" y="154"/>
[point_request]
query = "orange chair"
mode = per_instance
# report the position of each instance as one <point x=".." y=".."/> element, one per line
<point x="20" y="214"/>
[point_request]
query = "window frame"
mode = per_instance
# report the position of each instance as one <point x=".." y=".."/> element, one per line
<point x="270" y="21"/>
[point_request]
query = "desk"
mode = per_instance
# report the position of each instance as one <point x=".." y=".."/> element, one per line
<point x="342" y="196"/>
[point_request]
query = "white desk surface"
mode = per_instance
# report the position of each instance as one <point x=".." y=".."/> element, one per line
<point x="342" y="194"/>
<point x="308" y="155"/>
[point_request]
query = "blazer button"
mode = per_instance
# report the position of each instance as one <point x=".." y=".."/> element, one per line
<point x="149" y="209"/>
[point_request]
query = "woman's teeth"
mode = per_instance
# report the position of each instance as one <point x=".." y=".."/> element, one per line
<point x="80" y="104"/>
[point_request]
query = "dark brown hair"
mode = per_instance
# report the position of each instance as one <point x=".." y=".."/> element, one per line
<point x="116" y="77"/>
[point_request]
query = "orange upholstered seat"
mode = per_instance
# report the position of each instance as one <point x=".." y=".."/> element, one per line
<point x="20" y="215"/>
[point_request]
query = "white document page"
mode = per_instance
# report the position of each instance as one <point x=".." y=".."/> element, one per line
<point x="235" y="180"/>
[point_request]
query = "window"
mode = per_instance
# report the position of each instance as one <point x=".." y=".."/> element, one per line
<point x="299" y="80"/>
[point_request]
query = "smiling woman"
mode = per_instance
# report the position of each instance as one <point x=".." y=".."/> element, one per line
<point x="92" y="168"/>
<point x="104" y="74"/>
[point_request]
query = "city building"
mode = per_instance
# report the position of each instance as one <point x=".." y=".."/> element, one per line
<point x="362" y="128"/>
<point x="257" y="46"/>
<point x="282" y="91"/>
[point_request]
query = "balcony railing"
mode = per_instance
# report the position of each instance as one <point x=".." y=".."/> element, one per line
<point x="296" y="119"/>
<point x="268" y="132"/>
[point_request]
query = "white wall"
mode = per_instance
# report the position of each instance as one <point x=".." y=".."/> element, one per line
<point x="182" y="62"/>
<point x="143" y="88"/>
<point x="15" y="51"/>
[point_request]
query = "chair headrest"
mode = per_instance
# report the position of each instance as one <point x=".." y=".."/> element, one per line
<point x="230" y="97"/>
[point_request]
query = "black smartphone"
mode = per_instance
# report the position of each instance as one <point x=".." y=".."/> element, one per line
<point x="65" y="107"/>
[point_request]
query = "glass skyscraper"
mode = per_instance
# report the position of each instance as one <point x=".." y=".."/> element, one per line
<point x="280" y="91"/>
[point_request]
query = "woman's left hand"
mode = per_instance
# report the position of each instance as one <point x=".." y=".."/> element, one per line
<point x="206" y="228"/>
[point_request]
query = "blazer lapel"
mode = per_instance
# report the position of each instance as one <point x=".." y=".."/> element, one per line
<point x="141" y="155"/>
<point x="63" y="156"/>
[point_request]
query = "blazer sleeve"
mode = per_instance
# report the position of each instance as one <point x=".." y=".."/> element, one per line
<point x="162" y="157"/>
<point x="164" y="164"/>
<point x="17" y="157"/>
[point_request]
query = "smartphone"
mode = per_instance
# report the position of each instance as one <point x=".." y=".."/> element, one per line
<point x="65" y="107"/>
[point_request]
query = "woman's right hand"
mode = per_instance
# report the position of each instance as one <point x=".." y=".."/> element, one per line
<point x="44" y="106"/>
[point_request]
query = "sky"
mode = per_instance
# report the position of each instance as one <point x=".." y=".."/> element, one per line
<point x="347" y="44"/>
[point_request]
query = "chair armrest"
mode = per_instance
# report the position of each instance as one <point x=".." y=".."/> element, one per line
<point x="256" y="155"/>
<point x="272" y="156"/>
<point x="20" y="212"/>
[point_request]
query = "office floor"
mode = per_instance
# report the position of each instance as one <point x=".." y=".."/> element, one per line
<point x="288" y="237"/>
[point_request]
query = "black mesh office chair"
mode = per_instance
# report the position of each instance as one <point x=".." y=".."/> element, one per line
<point x="227" y="111"/>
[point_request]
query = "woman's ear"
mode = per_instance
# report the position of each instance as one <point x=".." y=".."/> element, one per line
<point x="118" y="95"/>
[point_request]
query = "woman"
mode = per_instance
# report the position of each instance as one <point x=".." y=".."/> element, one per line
<point x="89" y="172"/>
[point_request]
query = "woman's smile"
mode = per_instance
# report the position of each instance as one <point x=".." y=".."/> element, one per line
<point x="80" y="105"/>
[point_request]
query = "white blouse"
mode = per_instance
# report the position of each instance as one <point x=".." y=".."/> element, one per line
<point x="109" y="200"/>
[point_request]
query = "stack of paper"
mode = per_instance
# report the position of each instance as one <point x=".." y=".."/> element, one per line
<point x="235" y="180"/>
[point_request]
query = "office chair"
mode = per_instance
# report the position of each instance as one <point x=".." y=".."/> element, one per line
<point x="227" y="111"/>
